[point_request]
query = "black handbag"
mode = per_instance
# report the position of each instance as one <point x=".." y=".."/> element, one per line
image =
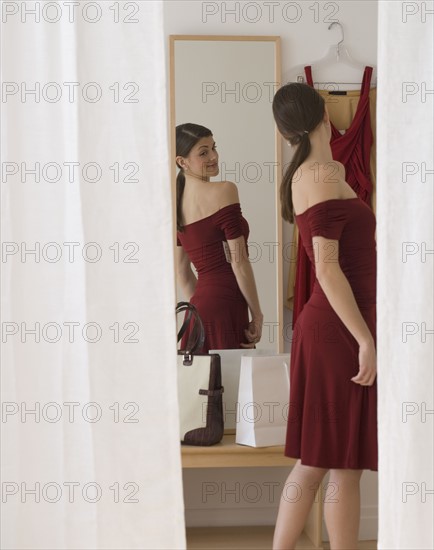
<point x="200" y="387"/>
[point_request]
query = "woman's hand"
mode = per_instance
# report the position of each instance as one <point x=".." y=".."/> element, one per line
<point x="254" y="331"/>
<point x="367" y="365"/>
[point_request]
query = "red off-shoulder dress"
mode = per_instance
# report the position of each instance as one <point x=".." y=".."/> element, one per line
<point x="332" y="421"/>
<point x="217" y="297"/>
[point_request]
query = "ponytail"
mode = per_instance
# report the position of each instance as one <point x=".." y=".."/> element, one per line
<point x="180" y="185"/>
<point x="300" y="155"/>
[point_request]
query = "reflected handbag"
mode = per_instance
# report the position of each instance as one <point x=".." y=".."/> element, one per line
<point x="199" y="385"/>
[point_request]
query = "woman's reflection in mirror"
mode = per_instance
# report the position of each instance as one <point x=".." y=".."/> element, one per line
<point x="212" y="235"/>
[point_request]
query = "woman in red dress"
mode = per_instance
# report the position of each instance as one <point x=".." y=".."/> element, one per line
<point x="212" y="235"/>
<point x="332" y="421"/>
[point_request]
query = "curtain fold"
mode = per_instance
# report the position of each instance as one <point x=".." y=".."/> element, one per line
<point x="405" y="274"/>
<point x="88" y="328"/>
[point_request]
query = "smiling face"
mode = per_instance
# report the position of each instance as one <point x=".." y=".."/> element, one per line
<point x="202" y="160"/>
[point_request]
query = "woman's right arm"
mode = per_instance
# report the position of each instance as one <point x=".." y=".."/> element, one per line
<point x="185" y="275"/>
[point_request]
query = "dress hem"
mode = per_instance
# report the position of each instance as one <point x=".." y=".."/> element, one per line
<point x="332" y="467"/>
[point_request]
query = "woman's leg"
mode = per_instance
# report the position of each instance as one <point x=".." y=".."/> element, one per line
<point x="295" y="503"/>
<point x="342" y="508"/>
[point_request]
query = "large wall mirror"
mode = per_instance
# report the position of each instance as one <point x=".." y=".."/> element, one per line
<point x="227" y="84"/>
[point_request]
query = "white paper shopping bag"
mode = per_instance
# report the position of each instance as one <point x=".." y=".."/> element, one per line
<point x="230" y="364"/>
<point x="263" y="401"/>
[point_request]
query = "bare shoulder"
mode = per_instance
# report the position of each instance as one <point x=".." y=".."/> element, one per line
<point x="314" y="182"/>
<point x="227" y="193"/>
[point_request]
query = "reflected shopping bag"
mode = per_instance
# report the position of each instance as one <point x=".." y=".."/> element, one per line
<point x="263" y="401"/>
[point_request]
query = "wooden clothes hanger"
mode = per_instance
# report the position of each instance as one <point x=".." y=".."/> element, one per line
<point x="332" y="65"/>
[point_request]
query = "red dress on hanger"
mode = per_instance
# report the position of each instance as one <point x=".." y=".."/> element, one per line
<point x="353" y="150"/>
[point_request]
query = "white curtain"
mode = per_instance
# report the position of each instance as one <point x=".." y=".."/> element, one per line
<point x="405" y="274"/>
<point x="88" y="329"/>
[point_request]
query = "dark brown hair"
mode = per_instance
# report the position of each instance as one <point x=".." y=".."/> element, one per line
<point x="297" y="109"/>
<point x="187" y="135"/>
